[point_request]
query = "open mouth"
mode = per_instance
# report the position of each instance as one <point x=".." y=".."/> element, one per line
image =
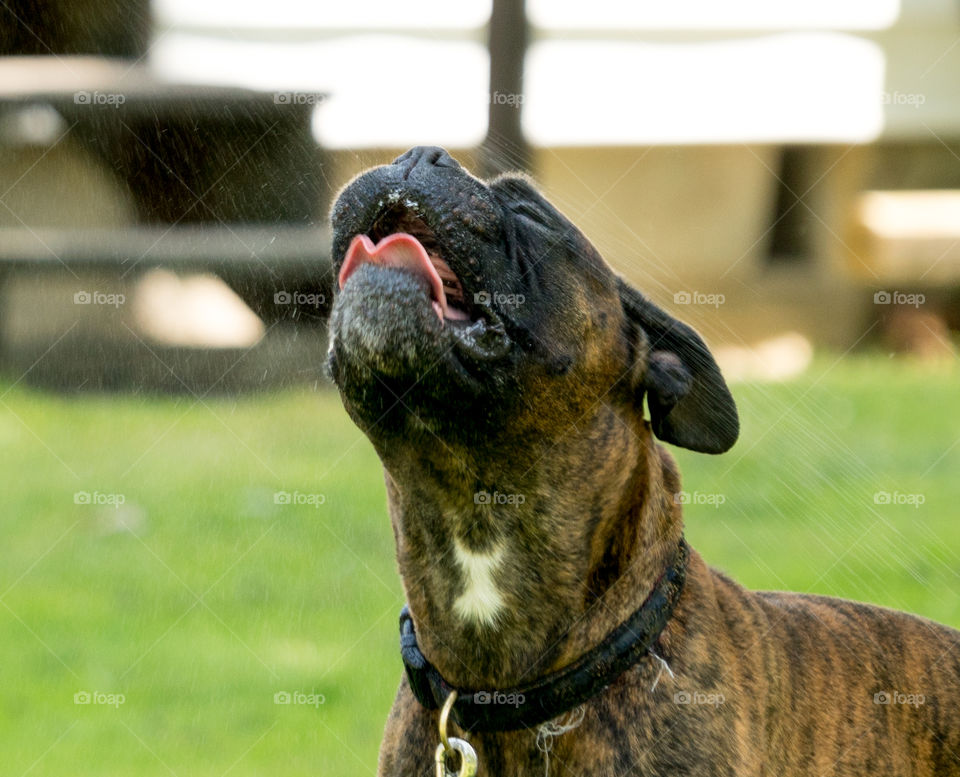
<point x="405" y="241"/>
<point x="475" y="331"/>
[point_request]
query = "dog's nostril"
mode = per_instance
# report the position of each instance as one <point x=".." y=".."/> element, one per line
<point x="440" y="158"/>
<point x="429" y="156"/>
<point x="434" y="154"/>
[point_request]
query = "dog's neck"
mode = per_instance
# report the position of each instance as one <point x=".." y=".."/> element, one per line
<point x="516" y="579"/>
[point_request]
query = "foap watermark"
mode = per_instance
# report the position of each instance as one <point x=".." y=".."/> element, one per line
<point x="513" y="99"/>
<point x="698" y="298"/>
<point x="312" y="299"/>
<point x="299" y="698"/>
<point x="498" y="498"/>
<point x="99" y="698"/>
<point x="699" y="698"/>
<point x="896" y="697"/>
<point x="698" y="498"/>
<point x="498" y="298"/>
<point x="297" y="498"/>
<point x="298" y="98"/>
<point x="897" y="498"/>
<point x="99" y="298"/>
<point x="898" y="298"/>
<point x="916" y="99"/>
<point x="498" y="697"/>
<point x="98" y="498"/>
<point x="112" y="99"/>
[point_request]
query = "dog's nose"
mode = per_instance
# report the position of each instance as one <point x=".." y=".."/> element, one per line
<point x="425" y="156"/>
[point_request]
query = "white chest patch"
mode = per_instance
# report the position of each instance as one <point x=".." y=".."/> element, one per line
<point x="480" y="600"/>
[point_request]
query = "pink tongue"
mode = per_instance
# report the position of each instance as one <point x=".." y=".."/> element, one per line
<point x="397" y="250"/>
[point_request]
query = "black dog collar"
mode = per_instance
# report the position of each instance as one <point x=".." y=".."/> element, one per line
<point x="529" y="705"/>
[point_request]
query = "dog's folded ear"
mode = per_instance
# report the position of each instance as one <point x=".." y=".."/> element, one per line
<point x="690" y="404"/>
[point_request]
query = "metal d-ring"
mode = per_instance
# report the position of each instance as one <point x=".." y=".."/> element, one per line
<point x="450" y="745"/>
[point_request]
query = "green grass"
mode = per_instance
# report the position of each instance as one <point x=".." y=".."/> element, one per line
<point x="215" y="598"/>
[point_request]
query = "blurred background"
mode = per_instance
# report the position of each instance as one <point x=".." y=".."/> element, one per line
<point x="196" y="569"/>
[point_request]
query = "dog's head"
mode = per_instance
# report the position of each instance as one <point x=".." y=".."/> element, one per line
<point x="475" y="312"/>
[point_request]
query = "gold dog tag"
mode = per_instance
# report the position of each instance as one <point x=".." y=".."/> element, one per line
<point x="468" y="759"/>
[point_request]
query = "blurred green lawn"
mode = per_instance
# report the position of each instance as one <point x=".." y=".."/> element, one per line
<point x="199" y="599"/>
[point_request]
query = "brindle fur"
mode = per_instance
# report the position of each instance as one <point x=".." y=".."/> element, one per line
<point x="797" y="674"/>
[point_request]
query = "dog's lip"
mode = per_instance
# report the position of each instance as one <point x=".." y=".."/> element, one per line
<point x="404" y="251"/>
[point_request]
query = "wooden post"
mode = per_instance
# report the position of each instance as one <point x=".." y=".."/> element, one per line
<point x="505" y="147"/>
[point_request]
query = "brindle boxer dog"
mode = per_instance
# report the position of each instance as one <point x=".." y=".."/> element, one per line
<point x="499" y="368"/>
